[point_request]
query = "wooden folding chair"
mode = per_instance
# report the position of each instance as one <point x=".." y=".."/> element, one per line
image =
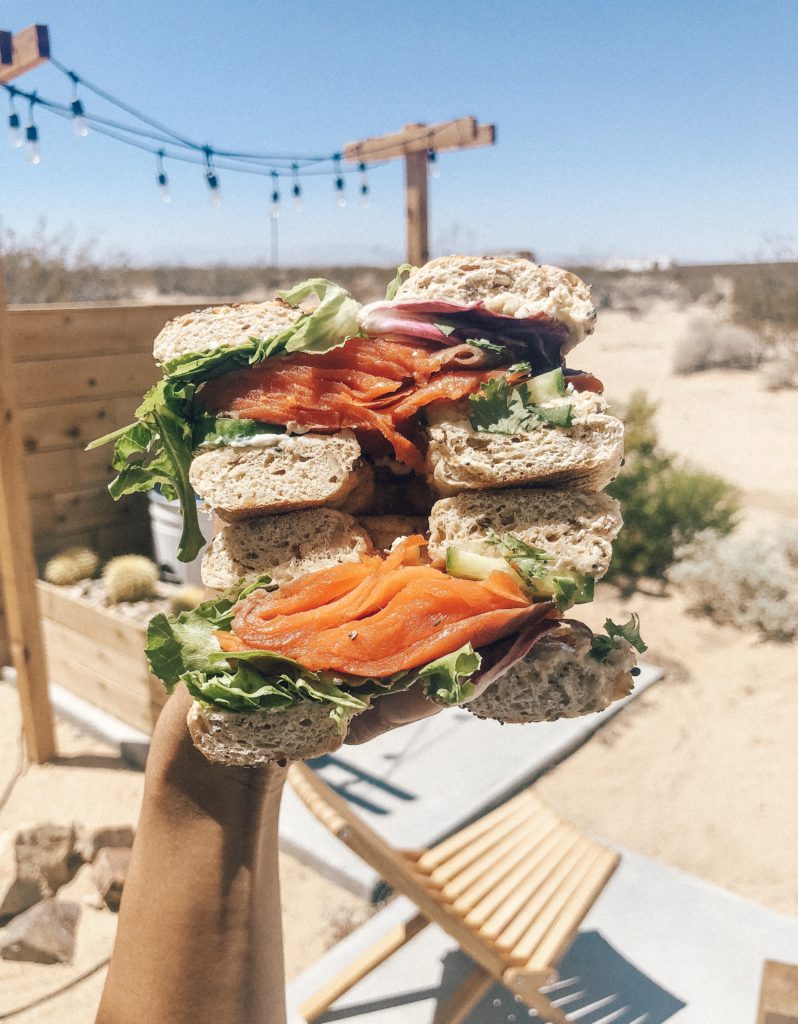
<point x="512" y="888"/>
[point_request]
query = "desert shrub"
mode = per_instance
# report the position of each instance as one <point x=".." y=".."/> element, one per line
<point x="664" y="504"/>
<point x="749" y="583"/>
<point x="709" y="345"/>
<point x="766" y="297"/>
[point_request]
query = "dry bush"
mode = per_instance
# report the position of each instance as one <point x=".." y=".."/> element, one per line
<point x="751" y="584"/>
<point x="664" y="504"/>
<point x="709" y="345"/>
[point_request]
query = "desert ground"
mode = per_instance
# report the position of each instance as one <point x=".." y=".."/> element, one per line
<point x="700" y="772"/>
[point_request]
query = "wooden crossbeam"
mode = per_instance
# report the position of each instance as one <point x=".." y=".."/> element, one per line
<point x="23" y="51"/>
<point x="413" y="143"/>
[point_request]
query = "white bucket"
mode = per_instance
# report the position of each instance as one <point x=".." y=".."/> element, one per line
<point x="166" y="521"/>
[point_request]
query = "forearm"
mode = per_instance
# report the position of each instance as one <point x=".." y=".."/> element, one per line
<point x="200" y="929"/>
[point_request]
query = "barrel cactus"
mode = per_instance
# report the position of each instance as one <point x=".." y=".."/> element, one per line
<point x="186" y="599"/>
<point x="130" y="578"/>
<point x="71" y="566"/>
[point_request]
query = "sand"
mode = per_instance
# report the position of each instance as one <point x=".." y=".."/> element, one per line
<point x="701" y="772"/>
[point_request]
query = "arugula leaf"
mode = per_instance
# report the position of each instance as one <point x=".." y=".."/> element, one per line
<point x="448" y="678"/>
<point x="602" y="646"/>
<point x="156" y="451"/>
<point x="488" y="346"/>
<point x="394" y="285"/>
<point x="217" y="431"/>
<point x="501" y="408"/>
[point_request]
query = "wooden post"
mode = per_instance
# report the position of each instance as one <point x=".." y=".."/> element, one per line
<point x="417" y="208"/>
<point x="18" y="565"/>
<point x="414" y="143"/>
<point x="18" y="54"/>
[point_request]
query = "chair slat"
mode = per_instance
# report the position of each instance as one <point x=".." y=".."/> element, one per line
<point x="538" y="871"/>
<point x="450" y="866"/>
<point x="553" y="944"/>
<point x="560" y="898"/>
<point x="571" y="862"/>
<point x="494" y="863"/>
<point x="494" y="886"/>
<point x="448" y="847"/>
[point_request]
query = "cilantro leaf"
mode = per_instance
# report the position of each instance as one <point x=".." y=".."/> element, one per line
<point x="602" y="646"/>
<point x="483" y="343"/>
<point x="530" y="563"/>
<point x="501" y="408"/>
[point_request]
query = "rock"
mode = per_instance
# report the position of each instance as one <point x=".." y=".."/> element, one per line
<point x="16" y="892"/>
<point x="45" y="934"/>
<point x="91" y="840"/>
<point x="110" y="870"/>
<point x="34" y="862"/>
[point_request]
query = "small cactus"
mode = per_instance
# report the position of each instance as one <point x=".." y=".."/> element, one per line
<point x="186" y="599"/>
<point x="130" y="578"/>
<point x="71" y="566"/>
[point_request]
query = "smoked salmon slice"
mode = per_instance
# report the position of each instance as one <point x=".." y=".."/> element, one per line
<point x="367" y="384"/>
<point x="380" y="616"/>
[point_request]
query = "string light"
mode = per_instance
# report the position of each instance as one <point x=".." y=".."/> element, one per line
<point x="79" y="123"/>
<point x="339" y="181"/>
<point x="14" y="130"/>
<point x="34" y="155"/>
<point x="364" y="185"/>
<point x="275" y="207"/>
<point x="214" y="195"/>
<point x="296" y="188"/>
<point x="163" y="181"/>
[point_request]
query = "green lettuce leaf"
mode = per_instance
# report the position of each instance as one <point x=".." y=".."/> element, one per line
<point x="448" y="677"/>
<point x="394" y="285"/>
<point x="602" y="646"/>
<point x="178" y="644"/>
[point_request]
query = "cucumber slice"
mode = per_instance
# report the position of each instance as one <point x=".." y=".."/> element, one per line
<point x="546" y="386"/>
<point x="467" y="565"/>
<point x="565" y="588"/>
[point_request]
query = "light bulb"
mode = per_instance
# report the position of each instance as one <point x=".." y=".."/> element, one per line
<point x="33" y="154"/>
<point x="164" y="193"/>
<point x="296" y="191"/>
<point x="14" y="131"/>
<point x="80" y="127"/>
<point x="215" y="199"/>
<point x="274" y="210"/>
<point x="432" y="161"/>
<point x="341" y="201"/>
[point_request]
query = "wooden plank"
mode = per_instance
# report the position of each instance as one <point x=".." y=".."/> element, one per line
<point x="58" y="513"/>
<point x="51" y="332"/>
<point x="59" y="472"/>
<point x="778" y="995"/>
<point x="116" y="634"/>
<point x="74" y="424"/>
<point x="19" y="567"/>
<point x="460" y="133"/>
<point x="127" y="536"/>
<point x="369" y="959"/>
<point x="84" y="377"/>
<point x="30" y="48"/>
<point x="417" y="208"/>
<point x="133" y="708"/>
<point x="125" y="672"/>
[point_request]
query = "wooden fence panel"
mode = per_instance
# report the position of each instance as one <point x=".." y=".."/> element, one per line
<point x="81" y="372"/>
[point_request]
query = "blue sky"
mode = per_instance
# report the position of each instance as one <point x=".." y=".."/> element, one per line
<point x="626" y="130"/>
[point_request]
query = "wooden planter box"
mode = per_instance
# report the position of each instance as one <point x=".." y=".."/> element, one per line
<point x="99" y="655"/>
